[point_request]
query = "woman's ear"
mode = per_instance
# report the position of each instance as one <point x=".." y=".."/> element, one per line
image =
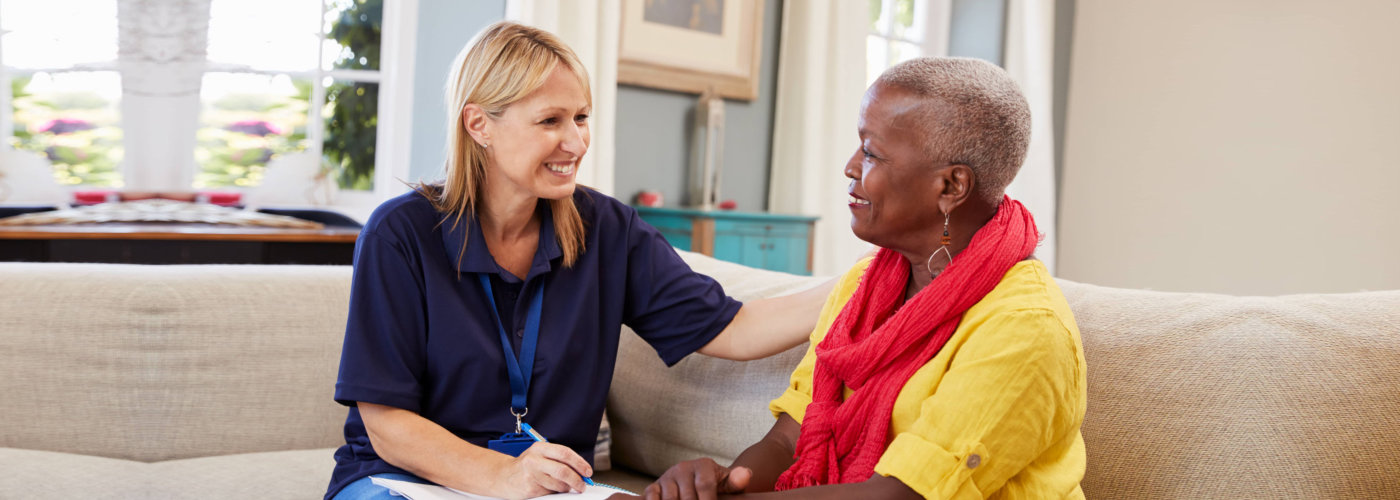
<point x="476" y="121"/>
<point x="958" y="182"/>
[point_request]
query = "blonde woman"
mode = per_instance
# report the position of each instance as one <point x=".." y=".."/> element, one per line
<point x="493" y="300"/>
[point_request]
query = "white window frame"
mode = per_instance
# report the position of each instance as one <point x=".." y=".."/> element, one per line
<point x="395" y="108"/>
<point x="937" y="17"/>
<point x="7" y="112"/>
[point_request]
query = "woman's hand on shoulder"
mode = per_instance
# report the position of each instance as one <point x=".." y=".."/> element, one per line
<point x="543" y="469"/>
<point x="700" y="479"/>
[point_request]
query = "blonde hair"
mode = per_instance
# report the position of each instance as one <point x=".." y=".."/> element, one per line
<point x="982" y="119"/>
<point x="503" y="64"/>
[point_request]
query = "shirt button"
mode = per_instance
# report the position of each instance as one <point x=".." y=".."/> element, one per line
<point x="520" y="333"/>
<point x="974" y="460"/>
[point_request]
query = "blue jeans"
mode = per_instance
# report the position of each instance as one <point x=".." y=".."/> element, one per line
<point x="364" y="489"/>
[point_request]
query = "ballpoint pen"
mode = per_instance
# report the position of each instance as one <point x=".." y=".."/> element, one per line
<point x="540" y="439"/>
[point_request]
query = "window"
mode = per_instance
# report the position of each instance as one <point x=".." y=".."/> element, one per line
<point x="278" y="78"/>
<point x="306" y="78"/>
<point x="63" y="101"/>
<point x="904" y="29"/>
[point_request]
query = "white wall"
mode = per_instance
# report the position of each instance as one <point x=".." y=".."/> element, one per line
<point x="1240" y="146"/>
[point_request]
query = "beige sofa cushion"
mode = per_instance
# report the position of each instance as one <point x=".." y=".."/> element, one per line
<point x="155" y="363"/>
<point x="48" y="474"/>
<point x="703" y="406"/>
<point x="1212" y="396"/>
<point x="298" y="474"/>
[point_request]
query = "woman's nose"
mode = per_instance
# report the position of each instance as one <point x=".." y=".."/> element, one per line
<point x="853" y="165"/>
<point x="575" y="140"/>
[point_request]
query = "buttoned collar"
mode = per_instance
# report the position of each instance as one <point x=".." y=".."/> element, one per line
<point x="476" y="258"/>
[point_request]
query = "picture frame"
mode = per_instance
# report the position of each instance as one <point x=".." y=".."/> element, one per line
<point x="692" y="45"/>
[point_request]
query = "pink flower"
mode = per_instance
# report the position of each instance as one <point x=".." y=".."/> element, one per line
<point x="259" y="128"/>
<point x="66" y="125"/>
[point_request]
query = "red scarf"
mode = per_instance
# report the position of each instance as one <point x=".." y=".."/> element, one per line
<point x="875" y="346"/>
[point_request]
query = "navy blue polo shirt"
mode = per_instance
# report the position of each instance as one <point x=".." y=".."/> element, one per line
<point x="420" y="334"/>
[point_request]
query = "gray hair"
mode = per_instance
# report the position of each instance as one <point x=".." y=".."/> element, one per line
<point x="982" y="120"/>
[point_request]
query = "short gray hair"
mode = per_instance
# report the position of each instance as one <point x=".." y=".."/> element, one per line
<point x="985" y="122"/>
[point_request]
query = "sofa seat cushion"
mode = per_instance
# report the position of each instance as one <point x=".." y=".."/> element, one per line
<point x="277" y="474"/>
<point x="294" y="474"/>
<point x="49" y="474"/>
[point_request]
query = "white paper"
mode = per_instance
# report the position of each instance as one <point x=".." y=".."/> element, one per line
<point x="415" y="491"/>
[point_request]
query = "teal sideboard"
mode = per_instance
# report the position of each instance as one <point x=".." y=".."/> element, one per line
<point x="767" y="241"/>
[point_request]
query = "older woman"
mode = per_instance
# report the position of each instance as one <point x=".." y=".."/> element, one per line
<point x="948" y="365"/>
<point x="494" y="299"/>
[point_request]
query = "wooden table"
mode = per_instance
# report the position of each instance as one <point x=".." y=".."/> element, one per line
<point x="176" y="243"/>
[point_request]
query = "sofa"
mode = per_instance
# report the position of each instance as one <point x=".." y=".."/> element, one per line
<point x="127" y="381"/>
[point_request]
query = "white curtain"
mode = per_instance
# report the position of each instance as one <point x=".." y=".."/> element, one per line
<point x="590" y="27"/>
<point x="821" y="78"/>
<point x="1030" y="52"/>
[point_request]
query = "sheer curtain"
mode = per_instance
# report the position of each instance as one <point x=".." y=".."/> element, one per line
<point x="1030" y="52"/>
<point x="590" y="27"/>
<point x="821" y="78"/>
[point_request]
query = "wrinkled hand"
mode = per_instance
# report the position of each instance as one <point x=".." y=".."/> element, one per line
<point x="700" y="479"/>
<point x="543" y="469"/>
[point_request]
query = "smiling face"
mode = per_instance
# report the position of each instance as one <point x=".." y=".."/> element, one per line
<point x="894" y="189"/>
<point x="536" y="144"/>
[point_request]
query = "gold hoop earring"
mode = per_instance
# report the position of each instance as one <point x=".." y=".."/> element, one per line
<point x="947" y="217"/>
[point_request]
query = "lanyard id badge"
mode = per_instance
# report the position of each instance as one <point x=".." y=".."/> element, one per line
<point x="519" y="369"/>
<point x="512" y="443"/>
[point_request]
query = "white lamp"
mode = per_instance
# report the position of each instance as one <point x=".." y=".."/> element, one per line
<point x="706" y="151"/>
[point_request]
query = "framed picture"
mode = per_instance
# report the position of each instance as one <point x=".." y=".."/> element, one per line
<point x="691" y="45"/>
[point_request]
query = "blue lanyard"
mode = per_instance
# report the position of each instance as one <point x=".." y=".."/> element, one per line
<point x="519" y="370"/>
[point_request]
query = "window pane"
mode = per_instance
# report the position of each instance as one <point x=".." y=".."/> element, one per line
<point x="278" y="35"/>
<point x="53" y="35"/>
<point x="353" y="29"/>
<point x="908" y="20"/>
<point x="352" y="118"/>
<point x="246" y="120"/>
<point x="72" y="118"/>
<point x="876" y="50"/>
<point x="875" y="7"/>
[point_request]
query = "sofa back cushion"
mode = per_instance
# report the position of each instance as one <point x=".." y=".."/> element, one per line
<point x="155" y="363"/>
<point x="1212" y="396"/>
<point x="702" y="406"/>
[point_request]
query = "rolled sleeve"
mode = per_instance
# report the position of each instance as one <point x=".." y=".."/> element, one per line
<point x="1006" y="397"/>
<point x="798" y="395"/>
<point x="931" y="470"/>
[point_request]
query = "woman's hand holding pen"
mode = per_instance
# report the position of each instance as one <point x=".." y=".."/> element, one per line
<point x="542" y="469"/>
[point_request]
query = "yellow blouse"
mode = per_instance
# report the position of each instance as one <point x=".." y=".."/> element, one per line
<point x="996" y="413"/>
